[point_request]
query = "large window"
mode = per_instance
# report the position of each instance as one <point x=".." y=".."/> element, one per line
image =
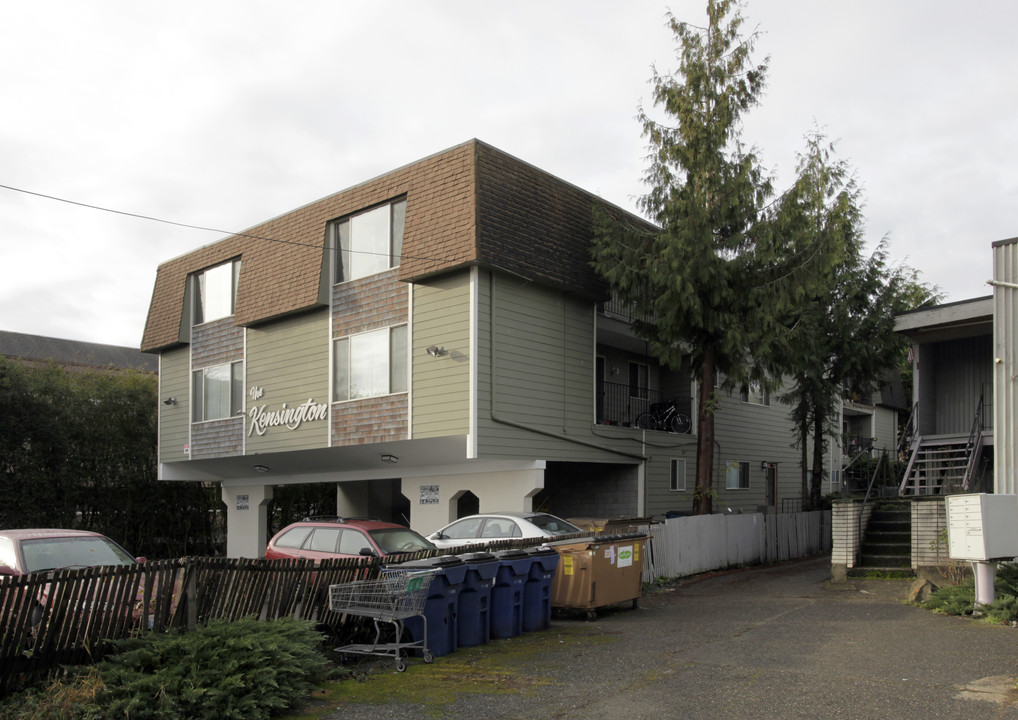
<point x="369" y="242"/>
<point x="215" y="292"/>
<point x="371" y="364"/>
<point x="737" y="475"/>
<point x="217" y="392"/>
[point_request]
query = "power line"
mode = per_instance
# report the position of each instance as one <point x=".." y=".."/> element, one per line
<point x="203" y="228"/>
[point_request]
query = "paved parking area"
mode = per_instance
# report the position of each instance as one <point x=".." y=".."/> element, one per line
<point x="763" y="642"/>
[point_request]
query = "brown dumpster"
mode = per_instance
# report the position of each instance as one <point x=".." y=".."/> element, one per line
<point x="598" y="571"/>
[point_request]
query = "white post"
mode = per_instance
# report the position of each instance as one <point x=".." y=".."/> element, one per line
<point x="247" y="520"/>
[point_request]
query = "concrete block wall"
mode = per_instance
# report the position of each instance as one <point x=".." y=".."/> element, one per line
<point x="845" y="534"/>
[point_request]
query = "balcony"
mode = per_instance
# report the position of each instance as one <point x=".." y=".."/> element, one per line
<point x="620" y="404"/>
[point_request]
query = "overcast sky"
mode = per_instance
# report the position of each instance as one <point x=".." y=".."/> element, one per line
<point x="223" y="114"/>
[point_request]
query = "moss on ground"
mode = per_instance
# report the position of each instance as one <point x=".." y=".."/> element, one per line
<point x="494" y="668"/>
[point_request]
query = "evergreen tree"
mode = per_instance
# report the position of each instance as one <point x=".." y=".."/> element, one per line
<point x="721" y="278"/>
<point x="843" y="340"/>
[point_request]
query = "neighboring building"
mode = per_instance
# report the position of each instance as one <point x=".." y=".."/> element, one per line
<point x="961" y="434"/>
<point x="434" y="341"/>
<point x="869" y="428"/>
<point x="74" y="354"/>
<point x="952" y="437"/>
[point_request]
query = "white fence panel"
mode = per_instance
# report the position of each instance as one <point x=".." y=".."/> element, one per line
<point x="700" y="543"/>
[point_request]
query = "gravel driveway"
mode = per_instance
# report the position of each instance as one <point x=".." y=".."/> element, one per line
<point x="762" y="642"/>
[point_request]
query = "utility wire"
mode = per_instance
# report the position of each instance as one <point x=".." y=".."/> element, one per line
<point x="203" y="228"/>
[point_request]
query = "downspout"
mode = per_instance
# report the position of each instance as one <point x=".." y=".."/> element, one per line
<point x="522" y="426"/>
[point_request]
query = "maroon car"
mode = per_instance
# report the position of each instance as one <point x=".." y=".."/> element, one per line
<point x="28" y="551"/>
<point x="43" y="551"/>
<point x="338" y="537"/>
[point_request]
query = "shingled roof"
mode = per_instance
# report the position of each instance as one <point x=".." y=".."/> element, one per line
<point x="74" y="353"/>
<point x="469" y="205"/>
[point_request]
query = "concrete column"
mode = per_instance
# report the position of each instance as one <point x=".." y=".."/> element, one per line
<point x="247" y="520"/>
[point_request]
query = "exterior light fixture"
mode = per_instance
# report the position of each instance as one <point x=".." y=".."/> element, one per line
<point x="170" y="401"/>
<point x="390" y="459"/>
<point x="435" y="351"/>
<point x="261" y="468"/>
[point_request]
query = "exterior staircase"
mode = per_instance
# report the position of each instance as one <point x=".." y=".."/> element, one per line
<point x="886" y="547"/>
<point x="940" y="465"/>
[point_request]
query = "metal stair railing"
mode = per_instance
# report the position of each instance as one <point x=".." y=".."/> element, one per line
<point x="882" y="464"/>
<point x="974" y="447"/>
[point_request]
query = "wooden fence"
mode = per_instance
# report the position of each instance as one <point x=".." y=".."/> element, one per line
<point x="699" y="543"/>
<point x="69" y="617"/>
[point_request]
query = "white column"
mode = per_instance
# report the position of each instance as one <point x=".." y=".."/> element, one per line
<point x="247" y="520"/>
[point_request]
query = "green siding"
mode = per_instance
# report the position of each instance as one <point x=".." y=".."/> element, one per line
<point x="289" y="361"/>
<point x="174" y="420"/>
<point x="543" y="346"/>
<point x="441" y="385"/>
<point x="754" y="434"/>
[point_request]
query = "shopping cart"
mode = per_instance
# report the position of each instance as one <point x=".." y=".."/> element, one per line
<point x="391" y="598"/>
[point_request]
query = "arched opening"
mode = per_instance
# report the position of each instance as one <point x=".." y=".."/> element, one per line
<point x="467" y="504"/>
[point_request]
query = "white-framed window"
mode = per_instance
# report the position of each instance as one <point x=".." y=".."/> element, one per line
<point x="217" y="392"/>
<point x="370" y="364"/>
<point x="215" y="292"/>
<point x="755" y="394"/>
<point x="678" y="475"/>
<point x="737" y="475"/>
<point x="368" y="242"/>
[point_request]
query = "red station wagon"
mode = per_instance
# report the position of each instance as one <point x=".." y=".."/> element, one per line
<point x="338" y="537"/>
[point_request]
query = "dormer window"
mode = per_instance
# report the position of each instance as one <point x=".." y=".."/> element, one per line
<point x="215" y="292"/>
<point x="368" y="242"/>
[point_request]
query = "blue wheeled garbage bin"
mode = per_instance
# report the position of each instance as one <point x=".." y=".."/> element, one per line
<point x="474" y="618"/>
<point x="441" y="605"/>
<point x="537" y="591"/>
<point x="507" y="594"/>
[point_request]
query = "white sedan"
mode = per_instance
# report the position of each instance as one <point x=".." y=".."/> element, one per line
<point x="489" y="527"/>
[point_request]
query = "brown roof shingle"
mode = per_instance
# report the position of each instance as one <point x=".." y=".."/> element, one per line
<point x="470" y="204"/>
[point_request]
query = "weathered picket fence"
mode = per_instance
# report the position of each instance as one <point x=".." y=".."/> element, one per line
<point x="69" y="617"/>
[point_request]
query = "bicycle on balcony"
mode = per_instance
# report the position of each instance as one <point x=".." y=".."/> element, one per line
<point x="664" y="416"/>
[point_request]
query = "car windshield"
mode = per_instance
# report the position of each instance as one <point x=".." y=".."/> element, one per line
<point x="399" y="540"/>
<point x="53" y="553"/>
<point x="553" y="525"/>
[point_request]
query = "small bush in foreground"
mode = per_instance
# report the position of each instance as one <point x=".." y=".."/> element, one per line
<point x="960" y="599"/>
<point x="241" y="670"/>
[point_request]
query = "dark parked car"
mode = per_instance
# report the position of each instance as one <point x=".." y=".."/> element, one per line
<point x="338" y="537"/>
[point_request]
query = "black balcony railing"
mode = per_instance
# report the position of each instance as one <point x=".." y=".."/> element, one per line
<point x="621" y="404"/>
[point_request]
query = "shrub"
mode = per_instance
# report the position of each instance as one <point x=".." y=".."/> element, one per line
<point x="960" y="599"/>
<point x="244" y="669"/>
<point x="241" y="670"/>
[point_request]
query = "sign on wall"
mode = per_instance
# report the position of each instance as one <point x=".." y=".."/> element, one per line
<point x="261" y="417"/>
<point x="429" y="494"/>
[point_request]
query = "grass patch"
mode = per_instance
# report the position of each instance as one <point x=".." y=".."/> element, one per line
<point x="489" y="669"/>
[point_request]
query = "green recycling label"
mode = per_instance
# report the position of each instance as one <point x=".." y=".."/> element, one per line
<point x="625" y="556"/>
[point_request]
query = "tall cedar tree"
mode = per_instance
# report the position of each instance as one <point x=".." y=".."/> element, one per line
<point x="844" y="340"/>
<point x="720" y="278"/>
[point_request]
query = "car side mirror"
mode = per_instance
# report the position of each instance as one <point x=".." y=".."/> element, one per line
<point x="141" y="559"/>
<point x="5" y="570"/>
<point x="367" y="552"/>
